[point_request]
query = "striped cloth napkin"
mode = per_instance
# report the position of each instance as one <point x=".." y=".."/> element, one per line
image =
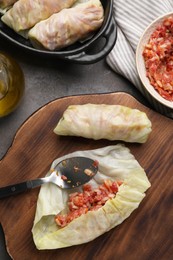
<point x="132" y="18"/>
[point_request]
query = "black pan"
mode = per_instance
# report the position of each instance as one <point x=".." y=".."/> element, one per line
<point x="90" y="51"/>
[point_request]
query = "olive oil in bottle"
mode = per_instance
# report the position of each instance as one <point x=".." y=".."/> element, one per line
<point x="11" y="84"/>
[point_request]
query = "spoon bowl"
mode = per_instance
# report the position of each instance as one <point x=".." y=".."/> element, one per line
<point x="67" y="174"/>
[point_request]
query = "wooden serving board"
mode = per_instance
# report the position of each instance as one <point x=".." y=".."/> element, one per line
<point x="146" y="234"/>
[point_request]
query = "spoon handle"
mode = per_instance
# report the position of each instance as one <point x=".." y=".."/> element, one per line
<point x="19" y="188"/>
<point x="14" y="189"/>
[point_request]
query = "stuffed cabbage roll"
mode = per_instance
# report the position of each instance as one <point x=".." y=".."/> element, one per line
<point x="25" y="14"/>
<point x="100" y="121"/>
<point x="68" y="26"/>
<point x="116" y="163"/>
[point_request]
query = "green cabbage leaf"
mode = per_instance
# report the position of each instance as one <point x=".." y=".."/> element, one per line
<point x="115" y="163"/>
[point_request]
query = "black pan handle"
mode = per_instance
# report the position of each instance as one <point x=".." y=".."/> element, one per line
<point x="110" y="35"/>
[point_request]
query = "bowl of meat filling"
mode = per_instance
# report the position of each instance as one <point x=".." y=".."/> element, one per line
<point x="154" y="59"/>
<point x="82" y="31"/>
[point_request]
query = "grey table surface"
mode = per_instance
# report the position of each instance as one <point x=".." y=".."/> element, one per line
<point x="46" y="80"/>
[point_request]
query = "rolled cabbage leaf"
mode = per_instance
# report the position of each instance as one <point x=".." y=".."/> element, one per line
<point x="25" y="14"/>
<point x="68" y="26"/>
<point x="100" y="121"/>
<point x="115" y="163"/>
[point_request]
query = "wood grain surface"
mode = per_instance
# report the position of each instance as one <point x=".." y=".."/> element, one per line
<point x="146" y="234"/>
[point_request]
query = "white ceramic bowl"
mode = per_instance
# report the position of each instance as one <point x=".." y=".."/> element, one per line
<point x="140" y="60"/>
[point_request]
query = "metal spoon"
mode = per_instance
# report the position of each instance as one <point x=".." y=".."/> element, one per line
<point x="67" y="174"/>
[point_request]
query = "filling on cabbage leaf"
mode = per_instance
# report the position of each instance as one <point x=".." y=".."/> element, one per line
<point x="115" y="163"/>
<point x="88" y="200"/>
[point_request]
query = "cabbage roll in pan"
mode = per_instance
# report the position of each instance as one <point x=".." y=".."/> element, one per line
<point x="101" y="121"/>
<point x="26" y="13"/>
<point x="68" y="26"/>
